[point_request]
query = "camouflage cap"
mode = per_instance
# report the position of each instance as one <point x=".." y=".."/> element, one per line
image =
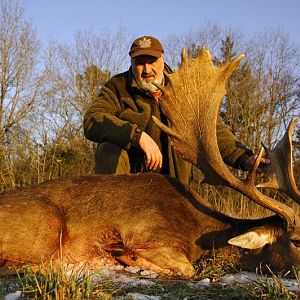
<point x="146" y="45"/>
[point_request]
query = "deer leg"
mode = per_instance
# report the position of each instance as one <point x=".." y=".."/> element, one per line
<point x="31" y="232"/>
<point x="161" y="259"/>
<point x="164" y="260"/>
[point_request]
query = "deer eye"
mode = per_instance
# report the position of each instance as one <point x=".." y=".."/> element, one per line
<point x="296" y="243"/>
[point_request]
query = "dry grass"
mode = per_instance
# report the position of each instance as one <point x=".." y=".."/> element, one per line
<point x="63" y="285"/>
<point x="233" y="203"/>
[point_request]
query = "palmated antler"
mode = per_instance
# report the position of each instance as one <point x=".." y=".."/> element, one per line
<point x="279" y="172"/>
<point x="191" y="102"/>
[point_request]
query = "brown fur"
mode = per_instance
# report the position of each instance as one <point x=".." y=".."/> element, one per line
<point x="150" y="221"/>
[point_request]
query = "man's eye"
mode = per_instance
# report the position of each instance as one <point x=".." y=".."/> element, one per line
<point x="149" y="61"/>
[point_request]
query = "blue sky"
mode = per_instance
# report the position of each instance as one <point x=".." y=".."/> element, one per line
<point x="62" y="18"/>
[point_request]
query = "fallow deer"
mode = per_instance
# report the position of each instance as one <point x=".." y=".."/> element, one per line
<point x="153" y="221"/>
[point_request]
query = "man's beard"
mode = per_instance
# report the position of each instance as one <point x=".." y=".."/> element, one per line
<point x="149" y="86"/>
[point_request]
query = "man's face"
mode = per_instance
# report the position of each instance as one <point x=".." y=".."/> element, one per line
<point x="148" y="69"/>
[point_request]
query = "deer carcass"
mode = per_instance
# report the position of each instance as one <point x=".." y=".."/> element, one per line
<point x="149" y="220"/>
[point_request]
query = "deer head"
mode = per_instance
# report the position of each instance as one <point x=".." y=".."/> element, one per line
<point x="191" y="102"/>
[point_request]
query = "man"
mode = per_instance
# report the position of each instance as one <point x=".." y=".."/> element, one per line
<point x="119" y="120"/>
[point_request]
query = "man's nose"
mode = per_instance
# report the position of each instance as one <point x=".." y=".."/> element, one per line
<point x="147" y="68"/>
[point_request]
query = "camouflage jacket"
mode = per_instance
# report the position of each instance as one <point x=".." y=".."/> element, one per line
<point x="122" y="111"/>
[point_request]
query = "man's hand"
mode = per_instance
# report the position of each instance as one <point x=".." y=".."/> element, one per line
<point x="152" y="152"/>
<point x="251" y="160"/>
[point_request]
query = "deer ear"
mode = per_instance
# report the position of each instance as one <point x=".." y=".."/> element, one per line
<point x="255" y="238"/>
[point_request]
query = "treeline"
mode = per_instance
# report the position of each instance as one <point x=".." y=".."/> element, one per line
<point x="45" y="90"/>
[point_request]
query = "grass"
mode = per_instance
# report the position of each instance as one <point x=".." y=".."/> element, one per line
<point x="272" y="289"/>
<point x="216" y="264"/>
<point x="71" y="284"/>
<point x="56" y="284"/>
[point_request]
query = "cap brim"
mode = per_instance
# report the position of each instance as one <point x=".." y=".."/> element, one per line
<point x="146" y="52"/>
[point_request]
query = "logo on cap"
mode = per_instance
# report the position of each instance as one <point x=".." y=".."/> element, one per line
<point x="144" y="43"/>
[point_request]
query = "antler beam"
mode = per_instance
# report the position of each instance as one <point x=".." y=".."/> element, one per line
<point x="191" y="101"/>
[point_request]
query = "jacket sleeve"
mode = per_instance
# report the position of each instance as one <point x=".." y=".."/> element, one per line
<point x="102" y="124"/>
<point x="233" y="152"/>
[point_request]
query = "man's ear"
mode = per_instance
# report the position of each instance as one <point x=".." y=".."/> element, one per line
<point x="255" y="238"/>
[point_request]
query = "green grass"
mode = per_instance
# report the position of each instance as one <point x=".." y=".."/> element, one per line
<point x="272" y="289"/>
<point x="72" y="284"/>
<point x="61" y="284"/>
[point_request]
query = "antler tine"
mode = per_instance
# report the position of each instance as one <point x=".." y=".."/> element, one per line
<point x="166" y="129"/>
<point x="280" y="171"/>
<point x="230" y="66"/>
<point x="183" y="56"/>
<point x="191" y="102"/>
<point x="252" y="174"/>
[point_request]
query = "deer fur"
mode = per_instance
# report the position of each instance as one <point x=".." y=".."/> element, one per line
<point x="145" y="220"/>
<point x="148" y="220"/>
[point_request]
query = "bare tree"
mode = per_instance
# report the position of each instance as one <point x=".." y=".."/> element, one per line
<point x="275" y="64"/>
<point x="209" y="34"/>
<point x="105" y="50"/>
<point x="76" y="73"/>
<point x="20" y="79"/>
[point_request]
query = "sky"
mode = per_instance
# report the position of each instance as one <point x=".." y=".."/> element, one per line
<point x="60" y="19"/>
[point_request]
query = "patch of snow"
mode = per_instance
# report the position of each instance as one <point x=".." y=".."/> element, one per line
<point x="200" y="284"/>
<point x="133" y="270"/>
<point x="13" y="296"/>
<point x="249" y="277"/>
<point x="292" y="285"/>
<point x="142" y="282"/>
<point x="132" y="277"/>
<point x="242" y="277"/>
<point x="138" y="296"/>
<point x="149" y="274"/>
